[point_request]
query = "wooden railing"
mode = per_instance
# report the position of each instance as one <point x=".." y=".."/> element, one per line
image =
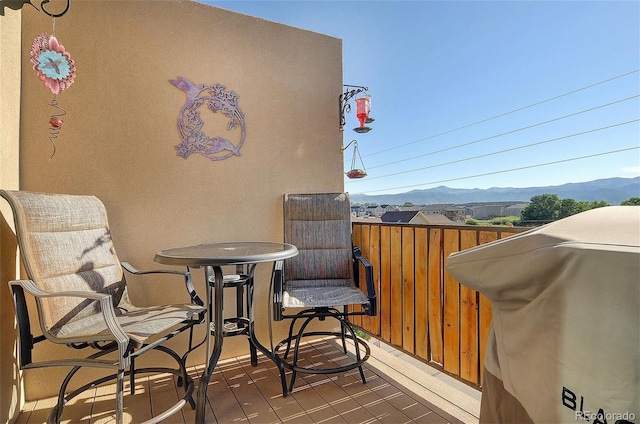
<point x="422" y="310"/>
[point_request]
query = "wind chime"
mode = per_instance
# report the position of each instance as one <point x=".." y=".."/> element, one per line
<point x="363" y="109"/>
<point x="56" y="69"/>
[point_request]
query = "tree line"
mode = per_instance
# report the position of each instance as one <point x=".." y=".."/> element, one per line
<point x="549" y="207"/>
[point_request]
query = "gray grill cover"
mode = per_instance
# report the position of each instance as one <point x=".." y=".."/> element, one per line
<point x="566" y="321"/>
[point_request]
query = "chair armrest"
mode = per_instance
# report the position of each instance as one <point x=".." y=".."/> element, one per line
<point x="368" y="275"/>
<point x="37" y="292"/>
<point x="277" y="281"/>
<point x="106" y="308"/>
<point x="193" y="295"/>
<point x="133" y="270"/>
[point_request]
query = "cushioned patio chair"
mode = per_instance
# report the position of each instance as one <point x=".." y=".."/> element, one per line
<point x="323" y="279"/>
<point x="82" y="299"/>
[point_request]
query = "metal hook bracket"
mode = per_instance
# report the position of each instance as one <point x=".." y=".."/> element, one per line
<point x="345" y="107"/>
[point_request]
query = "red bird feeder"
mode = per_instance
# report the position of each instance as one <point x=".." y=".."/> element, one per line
<point x="363" y="108"/>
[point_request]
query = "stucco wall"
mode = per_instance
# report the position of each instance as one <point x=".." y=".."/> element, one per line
<point x="10" y="382"/>
<point x="119" y="134"/>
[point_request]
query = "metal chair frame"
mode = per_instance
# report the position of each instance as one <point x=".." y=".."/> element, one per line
<point x="116" y="341"/>
<point x="293" y="341"/>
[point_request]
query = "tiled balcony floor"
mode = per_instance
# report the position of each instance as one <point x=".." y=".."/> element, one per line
<point x="240" y="393"/>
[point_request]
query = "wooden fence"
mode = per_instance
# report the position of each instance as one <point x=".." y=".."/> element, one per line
<point x="422" y="310"/>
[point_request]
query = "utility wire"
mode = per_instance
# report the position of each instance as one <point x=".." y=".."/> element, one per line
<point x="506" y="113"/>
<point x="507" y="170"/>
<point x="506" y="133"/>
<point x="502" y="151"/>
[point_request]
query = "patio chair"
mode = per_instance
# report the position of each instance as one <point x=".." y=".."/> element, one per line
<point x="82" y="299"/>
<point x="323" y="280"/>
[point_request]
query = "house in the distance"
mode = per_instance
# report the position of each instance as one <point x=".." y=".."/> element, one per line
<point x="415" y="217"/>
<point x="490" y="211"/>
<point x="452" y="212"/>
<point x="515" y="209"/>
<point x="455" y="213"/>
<point x="487" y="211"/>
<point x="377" y="211"/>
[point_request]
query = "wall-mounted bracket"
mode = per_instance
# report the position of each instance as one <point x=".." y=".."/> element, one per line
<point x="345" y="107"/>
<point x="17" y="5"/>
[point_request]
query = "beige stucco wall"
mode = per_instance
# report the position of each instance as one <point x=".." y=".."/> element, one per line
<point x="119" y="133"/>
<point x="10" y="383"/>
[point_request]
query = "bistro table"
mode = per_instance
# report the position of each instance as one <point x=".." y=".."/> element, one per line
<point x="213" y="257"/>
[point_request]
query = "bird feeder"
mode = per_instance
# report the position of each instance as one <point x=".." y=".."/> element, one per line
<point x="355" y="172"/>
<point x="363" y="108"/>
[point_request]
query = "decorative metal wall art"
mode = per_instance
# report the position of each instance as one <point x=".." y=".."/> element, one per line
<point x="190" y="123"/>
<point x="56" y="69"/>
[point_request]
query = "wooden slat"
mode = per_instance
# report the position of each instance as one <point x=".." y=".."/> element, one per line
<point x="396" y="286"/>
<point x="484" y="319"/>
<point x="469" y="355"/>
<point x="365" y="243"/>
<point x="384" y="302"/>
<point x="421" y="263"/>
<point x="357" y="236"/>
<point x="408" y="290"/>
<point x="451" y="308"/>
<point x="374" y="258"/>
<point x="435" y="306"/>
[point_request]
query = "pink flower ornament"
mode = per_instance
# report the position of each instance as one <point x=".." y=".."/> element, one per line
<point x="53" y="63"/>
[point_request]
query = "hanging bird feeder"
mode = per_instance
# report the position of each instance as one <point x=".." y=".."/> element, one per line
<point x="354" y="172"/>
<point x="363" y="108"/>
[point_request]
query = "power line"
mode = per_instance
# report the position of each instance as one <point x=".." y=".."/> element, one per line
<point x="502" y="151"/>
<point x="506" y="133"/>
<point x="506" y="113"/>
<point x="507" y="170"/>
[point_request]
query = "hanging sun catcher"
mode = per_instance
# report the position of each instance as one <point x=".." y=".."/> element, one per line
<point x="190" y="123"/>
<point x="56" y="69"/>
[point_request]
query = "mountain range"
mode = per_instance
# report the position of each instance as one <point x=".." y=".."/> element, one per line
<point x="610" y="190"/>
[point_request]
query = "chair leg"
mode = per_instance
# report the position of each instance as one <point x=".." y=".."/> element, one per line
<point x="56" y="413"/>
<point x="346" y="331"/>
<point x="364" y="379"/>
<point x="347" y="325"/>
<point x="254" y="354"/>
<point x="296" y="351"/>
<point x="344" y="341"/>
<point x="183" y="371"/>
<point x="132" y="376"/>
<point x="120" y="397"/>
<point x="290" y="337"/>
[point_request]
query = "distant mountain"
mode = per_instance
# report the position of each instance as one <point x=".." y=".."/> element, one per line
<point x="611" y="190"/>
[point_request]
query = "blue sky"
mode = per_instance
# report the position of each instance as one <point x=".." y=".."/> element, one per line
<point x="479" y="94"/>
